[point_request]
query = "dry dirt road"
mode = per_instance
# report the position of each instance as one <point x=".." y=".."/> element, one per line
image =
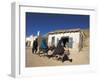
<point x="34" y="60"/>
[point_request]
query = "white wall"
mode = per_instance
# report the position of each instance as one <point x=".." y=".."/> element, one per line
<point x="5" y="41"/>
<point x="31" y="39"/>
<point x="74" y="35"/>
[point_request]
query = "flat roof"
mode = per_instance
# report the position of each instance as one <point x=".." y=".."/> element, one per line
<point x="64" y="31"/>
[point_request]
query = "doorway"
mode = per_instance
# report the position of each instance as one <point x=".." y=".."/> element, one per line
<point x="67" y="41"/>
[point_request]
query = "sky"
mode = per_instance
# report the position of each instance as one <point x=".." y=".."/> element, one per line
<point x="46" y="22"/>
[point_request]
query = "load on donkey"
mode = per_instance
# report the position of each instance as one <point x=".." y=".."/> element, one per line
<point x="60" y="53"/>
<point x="57" y="52"/>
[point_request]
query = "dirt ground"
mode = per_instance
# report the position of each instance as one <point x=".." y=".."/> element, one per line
<point x="34" y="60"/>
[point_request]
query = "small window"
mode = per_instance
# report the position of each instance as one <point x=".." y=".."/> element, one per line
<point x="57" y="40"/>
<point x="53" y="40"/>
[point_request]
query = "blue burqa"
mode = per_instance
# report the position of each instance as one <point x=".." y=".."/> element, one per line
<point x="43" y="44"/>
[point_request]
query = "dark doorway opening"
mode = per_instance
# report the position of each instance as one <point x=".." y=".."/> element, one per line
<point x="65" y="40"/>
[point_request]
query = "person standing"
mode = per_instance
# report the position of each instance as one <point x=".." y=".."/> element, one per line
<point x="35" y="46"/>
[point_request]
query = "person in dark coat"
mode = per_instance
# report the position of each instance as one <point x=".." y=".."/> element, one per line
<point x="59" y="50"/>
<point x="35" y="46"/>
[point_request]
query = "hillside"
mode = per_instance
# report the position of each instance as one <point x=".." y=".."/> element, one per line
<point x="86" y="37"/>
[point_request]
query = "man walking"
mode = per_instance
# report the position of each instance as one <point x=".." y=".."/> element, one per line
<point x="35" y="46"/>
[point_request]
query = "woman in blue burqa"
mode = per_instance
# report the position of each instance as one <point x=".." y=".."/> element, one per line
<point x="43" y="46"/>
